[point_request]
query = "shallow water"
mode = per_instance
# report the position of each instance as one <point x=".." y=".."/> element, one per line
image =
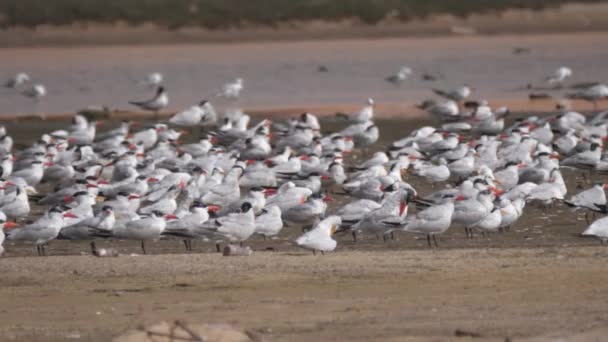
<point x="284" y="74"/>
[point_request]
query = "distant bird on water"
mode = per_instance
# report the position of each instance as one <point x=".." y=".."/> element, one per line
<point x="152" y="80"/>
<point x="158" y="102"/>
<point x="559" y="76"/>
<point x="401" y="75"/>
<point x="232" y="90"/>
<point x="457" y="95"/>
<point x="35" y="92"/>
<point x="17" y="80"/>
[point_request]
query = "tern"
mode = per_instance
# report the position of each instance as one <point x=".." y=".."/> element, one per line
<point x="155" y="104"/>
<point x="4" y="224"/>
<point x="36" y="91"/>
<point x="43" y="230"/>
<point x="17" y="80"/>
<point x="232" y="90"/>
<point x="457" y="95"/>
<point x="559" y="76"/>
<point x="401" y="75"/>
<point x="320" y="237"/>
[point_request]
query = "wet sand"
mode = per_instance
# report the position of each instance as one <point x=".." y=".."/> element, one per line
<point x="284" y="75"/>
<point x="538" y="279"/>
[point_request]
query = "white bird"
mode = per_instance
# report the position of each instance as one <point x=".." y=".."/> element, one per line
<point x="599" y="229"/>
<point x="586" y="159"/>
<point x="469" y="212"/>
<point x="511" y="211"/>
<point x="269" y="223"/>
<point x="591" y="94"/>
<point x="18" y="206"/>
<point x="35" y="92"/>
<point x="152" y="80"/>
<point x="43" y="230"/>
<point x="232" y="90"/>
<point x="364" y="115"/>
<point x="432" y="173"/>
<point x="432" y="221"/>
<point x="237" y="226"/>
<point x="201" y="114"/>
<point x="401" y="75"/>
<point x="457" y="95"/>
<point x="4" y="224"/>
<point x="490" y="223"/>
<point x="143" y="229"/>
<point x="446" y="110"/>
<point x="392" y="209"/>
<point x="158" y="102"/>
<point x="104" y="220"/>
<point x="559" y="76"/>
<point x="546" y="193"/>
<point x="320" y="237"/>
<point x="188" y="225"/>
<point x="17" y="80"/>
<point x="593" y="199"/>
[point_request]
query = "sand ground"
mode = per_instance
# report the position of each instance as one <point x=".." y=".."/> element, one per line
<point x="295" y="296"/>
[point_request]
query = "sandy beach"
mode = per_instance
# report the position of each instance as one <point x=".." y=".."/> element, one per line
<point x="536" y="282"/>
<point x="421" y="295"/>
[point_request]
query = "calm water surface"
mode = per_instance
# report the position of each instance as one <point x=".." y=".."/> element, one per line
<point x="285" y="74"/>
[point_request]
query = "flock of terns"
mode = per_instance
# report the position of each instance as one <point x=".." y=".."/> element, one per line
<point x="240" y="178"/>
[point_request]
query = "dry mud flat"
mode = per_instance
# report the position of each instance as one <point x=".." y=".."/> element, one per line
<point x="295" y="296"/>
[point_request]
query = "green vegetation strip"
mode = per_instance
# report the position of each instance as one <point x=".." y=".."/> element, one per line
<point x="222" y="14"/>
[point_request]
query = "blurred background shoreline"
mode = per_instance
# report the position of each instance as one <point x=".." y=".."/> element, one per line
<point x="29" y="23"/>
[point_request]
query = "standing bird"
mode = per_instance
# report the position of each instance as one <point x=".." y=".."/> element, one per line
<point x="457" y="95"/>
<point x="320" y="238"/>
<point x="17" y="80"/>
<point x="202" y="114"/>
<point x="104" y="220"/>
<point x="364" y="115"/>
<point x="43" y="230"/>
<point x="4" y="224"/>
<point x="158" y="102"/>
<point x="559" y="76"/>
<point x="431" y="221"/>
<point x="593" y="199"/>
<point x="269" y="223"/>
<point x="598" y="229"/>
<point x="35" y="92"/>
<point x="232" y="90"/>
<point x="401" y="75"/>
<point x="237" y="226"/>
<point x="143" y="229"/>
<point x="591" y="94"/>
<point x="152" y="80"/>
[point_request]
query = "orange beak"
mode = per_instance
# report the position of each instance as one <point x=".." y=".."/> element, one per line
<point x="496" y="191"/>
<point x="213" y="208"/>
<point x="10" y="224"/>
<point x="70" y="215"/>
